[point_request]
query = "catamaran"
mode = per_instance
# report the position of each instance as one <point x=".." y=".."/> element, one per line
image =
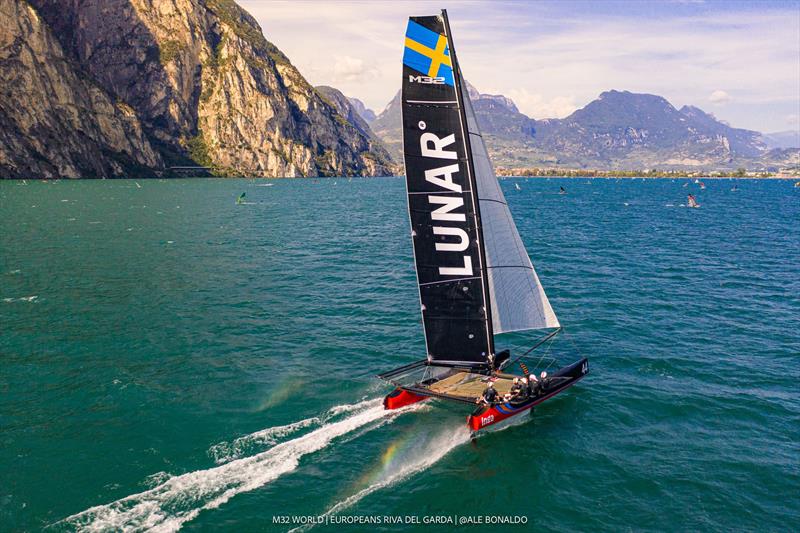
<point x="474" y="275"/>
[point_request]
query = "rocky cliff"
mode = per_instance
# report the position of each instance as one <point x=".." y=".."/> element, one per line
<point x="199" y="80"/>
<point x="54" y="121"/>
<point x="353" y="114"/>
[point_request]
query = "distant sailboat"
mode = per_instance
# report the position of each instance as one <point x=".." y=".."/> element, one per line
<point x="474" y="276"/>
<point x="562" y="190"/>
<point x="702" y="185"/>
<point x="240" y="199"/>
<point x="516" y="185"/>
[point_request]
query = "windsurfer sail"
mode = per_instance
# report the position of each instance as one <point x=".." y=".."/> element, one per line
<point x="475" y="278"/>
<point x="240" y="199"/>
<point x="691" y="201"/>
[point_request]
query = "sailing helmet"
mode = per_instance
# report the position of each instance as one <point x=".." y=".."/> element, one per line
<point x="491" y="384"/>
<point x="532" y="377"/>
<point x="544" y="375"/>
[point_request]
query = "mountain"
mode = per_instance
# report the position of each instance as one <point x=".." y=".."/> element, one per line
<point x="350" y="113"/>
<point x="626" y="130"/>
<point x="500" y="121"/>
<point x="782" y="139"/>
<point x="75" y="128"/>
<point x="500" y="118"/>
<point x="363" y="111"/>
<point x="115" y="86"/>
<point x="618" y="130"/>
<point x="388" y="126"/>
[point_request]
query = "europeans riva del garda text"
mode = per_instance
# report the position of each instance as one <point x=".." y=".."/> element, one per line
<point x="443" y="520"/>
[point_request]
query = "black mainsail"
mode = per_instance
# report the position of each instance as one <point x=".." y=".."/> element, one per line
<point x="475" y="277"/>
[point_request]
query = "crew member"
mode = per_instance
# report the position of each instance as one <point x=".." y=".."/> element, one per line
<point x="544" y="382"/>
<point x="525" y="391"/>
<point x="489" y="395"/>
<point x="517" y="391"/>
<point x="533" y="384"/>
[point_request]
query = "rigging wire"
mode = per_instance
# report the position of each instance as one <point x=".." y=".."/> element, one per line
<point x="548" y="337"/>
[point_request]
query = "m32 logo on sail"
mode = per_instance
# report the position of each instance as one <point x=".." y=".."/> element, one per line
<point x="428" y="80"/>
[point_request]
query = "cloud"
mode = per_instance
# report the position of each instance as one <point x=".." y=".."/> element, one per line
<point x="348" y="68"/>
<point x="536" y="105"/>
<point x="719" y="97"/>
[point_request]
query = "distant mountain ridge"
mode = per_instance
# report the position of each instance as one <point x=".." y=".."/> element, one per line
<point x="619" y="130"/>
<point x="782" y="139"/>
<point x="363" y="111"/>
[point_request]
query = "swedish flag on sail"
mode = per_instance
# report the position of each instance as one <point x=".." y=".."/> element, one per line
<point x="427" y="52"/>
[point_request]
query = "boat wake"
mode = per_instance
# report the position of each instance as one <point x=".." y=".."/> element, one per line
<point x="22" y="299"/>
<point x="224" y="452"/>
<point x="399" y="462"/>
<point x="180" y="499"/>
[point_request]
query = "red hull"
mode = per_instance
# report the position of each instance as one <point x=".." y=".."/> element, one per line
<point x="400" y="398"/>
<point x="493" y="415"/>
<point x="499" y="412"/>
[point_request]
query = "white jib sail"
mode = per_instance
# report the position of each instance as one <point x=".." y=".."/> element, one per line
<point x="517" y="298"/>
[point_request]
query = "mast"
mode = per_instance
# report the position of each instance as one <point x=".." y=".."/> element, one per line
<point x="473" y="183"/>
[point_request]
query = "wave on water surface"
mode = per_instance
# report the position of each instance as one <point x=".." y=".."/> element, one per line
<point x="396" y="467"/>
<point x="181" y="498"/>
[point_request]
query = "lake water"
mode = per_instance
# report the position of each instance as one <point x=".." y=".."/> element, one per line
<point x="171" y="359"/>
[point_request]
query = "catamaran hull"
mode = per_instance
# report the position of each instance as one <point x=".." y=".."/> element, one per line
<point x="400" y="398"/>
<point x="487" y="416"/>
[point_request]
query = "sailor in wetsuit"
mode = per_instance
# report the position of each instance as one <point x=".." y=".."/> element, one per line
<point x="544" y="382"/>
<point x="533" y="385"/>
<point x="489" y="395"/>
<point x="517" y="391"/>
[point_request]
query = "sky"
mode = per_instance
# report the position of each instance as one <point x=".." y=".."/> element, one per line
<point x="737" y="60"/>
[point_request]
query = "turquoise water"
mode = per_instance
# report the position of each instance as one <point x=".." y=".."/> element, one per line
<point x="169" y="358"/>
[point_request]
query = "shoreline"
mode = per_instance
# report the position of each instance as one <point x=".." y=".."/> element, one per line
<point x="603" y="175"/>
